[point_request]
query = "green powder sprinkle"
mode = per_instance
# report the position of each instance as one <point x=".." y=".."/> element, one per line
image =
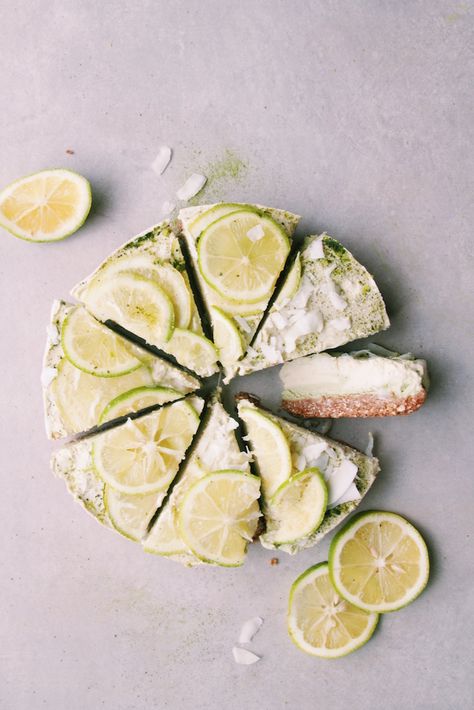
<point x="229" y="168"/>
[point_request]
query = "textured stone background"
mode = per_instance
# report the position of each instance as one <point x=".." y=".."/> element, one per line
<point x="359" y="116"/>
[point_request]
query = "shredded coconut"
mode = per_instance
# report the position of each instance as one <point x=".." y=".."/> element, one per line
<point x="256" y="233"/>
<point x="162" y="160"/>
<point x="191" y="187"/>
<point x="249" y="629"/>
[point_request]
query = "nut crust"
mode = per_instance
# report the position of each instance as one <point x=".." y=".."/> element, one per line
<point x="354" y="405"/>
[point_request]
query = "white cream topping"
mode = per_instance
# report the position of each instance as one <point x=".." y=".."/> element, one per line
<point x="48" y="375"/>
<point x="329" y="375"/>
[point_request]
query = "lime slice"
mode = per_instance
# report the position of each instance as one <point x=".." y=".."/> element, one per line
<point x="164" y="538"/>
<point x="379" y="561"/>
<point x="291" y="284"/>
<point x="135" y="303"/>
<point x="175" y="287"/>
<point x="143" y="455"/>
<point x="297" y="508"/>
<point x="137" y="399"/>
<point x="46" y="206"/>
<point x="193" y="351"/>
<point x="81" y="398"/>
<point x="199" y="224"/>
<point x="236" y="266"/>
<point x="130" y="514"/>
<point x="94" y="348"/>
<point x="320" y="622"/>
<point x="219" y="515"/>
<point x="271" y="449"/>
<point x="226" y="337"/>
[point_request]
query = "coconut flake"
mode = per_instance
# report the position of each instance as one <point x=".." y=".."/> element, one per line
<point x="340" y="479"/>
<point x="270" y="353"/>
<point x="232" y="424"/>
<point x="244" y="324"/>
<point x="249" y="629"/>
<point x="313" y="451"/>
<point x="351" y="494"/>
<point x="244" y="657"/>
<point x="167" y="207"/>
<point x="315" y="249"/>
<point x="342" y="323"/>
<point x="191" y="187"/>
<point x="256" y="233"/>
<point x="369" y="449"/>
<point x="52" y="333"/>
<point x="311" y="322"/>
<point x="48" y="375"/>
<point x="278" y="321"/>
<point x="162" y="160"/>
<point x="301" y="297"/>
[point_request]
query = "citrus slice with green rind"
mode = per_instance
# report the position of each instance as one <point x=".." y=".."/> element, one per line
<point x="320" y="622"/>
<point x="47" y="206"/>
<point x="130" y="514"/>
<point x="226" y="337"/>
<point x="219" y="515"/>
<point x="379" y="561"/>
<point x="143" y="455"/>
<point x="193" y="351"/>
<point x="271" y="449"/>
<point x="137" y="399"/>
<point x="94" y="348"/>
<point x="236" y="266"/>
<point x="297" y="508"/>
<point x="136" y="303"/>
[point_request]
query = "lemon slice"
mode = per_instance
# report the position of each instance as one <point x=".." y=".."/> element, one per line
<point x="193" y="351"/>
<point x="379" y="561"/>
<point x="291" y="284"/>
<point x="46" y="206"/>
<point x="94" y="348"/>
<point x="81" y="397"/>
<point x="297" y="508"/>
<point x="130" y="514"/>
<point x="226" y="337"/>
<point x="270" y="447"/>
<point x="135" y="303"/>
<point x="143" y="455"/>
<point x="175" y="287"/>
<point x="137" y="399"/>
<point x="219" y="515"/>
<point x="236" y="266"/>
<point x="320" y="622"/>
<point x="199" y="224"/>
<point x="164" y="538"/>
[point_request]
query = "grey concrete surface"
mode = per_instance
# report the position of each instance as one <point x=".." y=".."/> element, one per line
<point x="358" y="115"/>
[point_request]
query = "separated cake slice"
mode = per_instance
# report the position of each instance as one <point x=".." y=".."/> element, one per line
<point x="121" y="475"/>
<point x="193" y="536"/>
<point x="144" y="288"/>
<point x="359" y="384"/>
<point x="92" y="375"/>
<point x="309" y="482"/>
<point x="238" y="252"/>
<point x="328" y="299"/>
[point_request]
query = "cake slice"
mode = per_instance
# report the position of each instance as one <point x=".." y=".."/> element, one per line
<point x="216" y="449"/>
<point x="101" y="376"/>
<point x="359" y="384"/>
<point x="121" y="476"/>
<point x="309" y="483"/>
<point x="144" y="288"/>
<point x="328" y="300"/>
<point x="238" y="252"/>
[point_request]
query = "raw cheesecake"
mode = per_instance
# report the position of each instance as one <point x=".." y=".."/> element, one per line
<point x="216" y="449"/>
<point x="120" y="508"/>
<point x="290" y="460"/>
<point x="235" y="319"/>
<point x="358" y="384"/>
<point x="336" y="301"/>
<point x="76" y="400"/>
<point x="144" y="288"/>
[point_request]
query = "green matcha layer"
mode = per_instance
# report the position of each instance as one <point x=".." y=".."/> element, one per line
<point x="336" y="301"/>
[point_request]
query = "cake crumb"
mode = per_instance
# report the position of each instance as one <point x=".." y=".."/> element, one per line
<point x="274" y="561"/>
<point x="69" y="151"/>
